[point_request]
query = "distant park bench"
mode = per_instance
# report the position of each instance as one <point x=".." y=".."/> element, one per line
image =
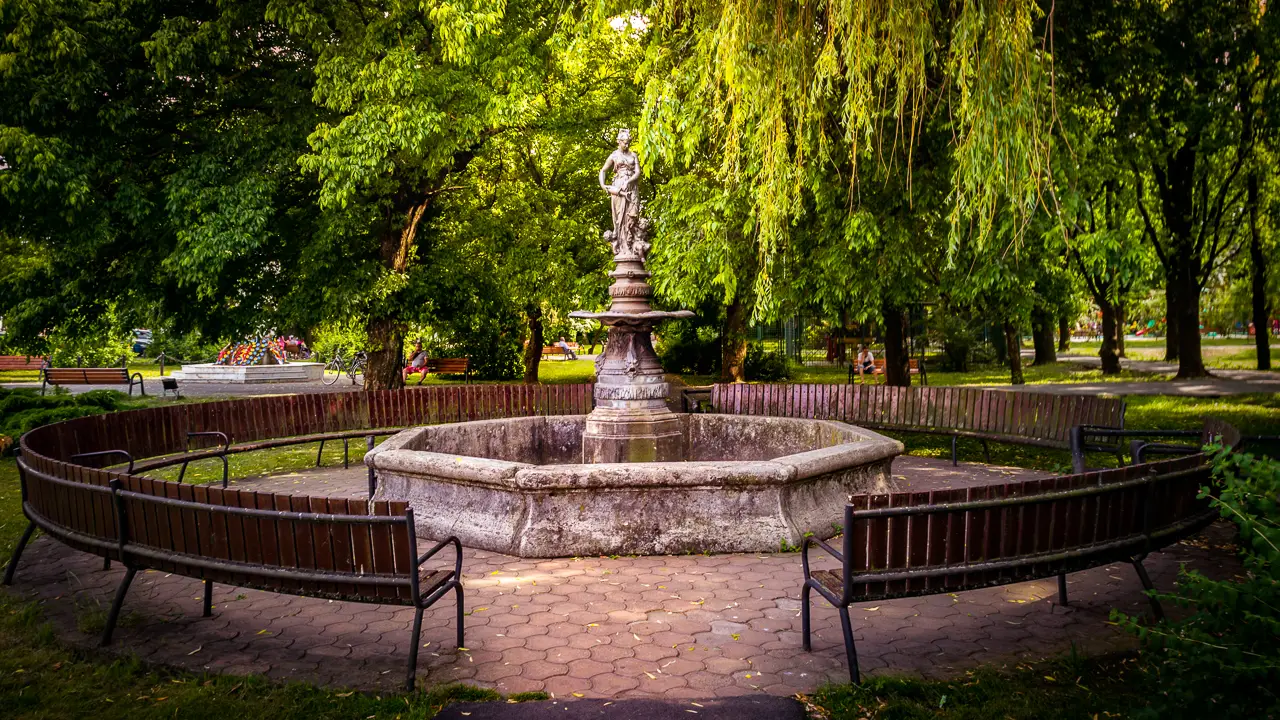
<point x="22" y="362"/>
<point x="91" y="376"/>
<point x="913" y="366"/>
<point x="551" y="351"/>
<point x="450" y="366"/>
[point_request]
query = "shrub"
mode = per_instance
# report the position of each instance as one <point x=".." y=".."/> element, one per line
<point x="765" y="366"/>
<point x="97" y="348"/>
<point x="24" y="409"/>
<point x="1223" y="660"/>
<point x="689" y="350"/>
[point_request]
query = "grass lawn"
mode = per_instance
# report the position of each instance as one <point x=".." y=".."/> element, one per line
<point x="1063" y="372"/>
<point x="551" y="372"/>
<point x="1224" y="353"/>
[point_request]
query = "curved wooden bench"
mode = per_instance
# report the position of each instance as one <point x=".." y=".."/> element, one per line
<point x="336" y="548"/>
<point x="332" y="548"/>
<point x="923" y="543"/>
<point x="1019" y="418"/>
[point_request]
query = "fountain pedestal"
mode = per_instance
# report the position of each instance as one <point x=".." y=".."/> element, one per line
<point x="631" y="421"/>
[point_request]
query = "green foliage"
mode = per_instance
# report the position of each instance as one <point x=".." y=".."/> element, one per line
<point x="687" y="348"/>
<point x="189" y="347"/>
<point x="766" y="366"/>
<point x="95" y="345"/>
<point x="24" y="409"/>
<point x="336" y="336"/>
<point x="1223" y="659"/>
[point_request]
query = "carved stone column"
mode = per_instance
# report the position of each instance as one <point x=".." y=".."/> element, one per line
<point x="631" y="421"/>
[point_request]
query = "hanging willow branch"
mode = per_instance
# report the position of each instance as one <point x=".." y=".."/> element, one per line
<point x="776" y="93"/>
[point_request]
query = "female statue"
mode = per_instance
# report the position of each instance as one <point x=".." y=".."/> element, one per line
<point x="623" y="191"/>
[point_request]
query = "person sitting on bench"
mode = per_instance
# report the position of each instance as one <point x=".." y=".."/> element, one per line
<point x="568" y="351"/>
<point x="417" y="363"/>
<point x="866" y="362"/>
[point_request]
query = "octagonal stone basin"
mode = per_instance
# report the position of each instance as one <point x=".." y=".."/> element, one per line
<point x="517" y="486"/>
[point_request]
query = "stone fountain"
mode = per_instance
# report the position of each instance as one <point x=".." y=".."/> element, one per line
<point x="632" y="477"/>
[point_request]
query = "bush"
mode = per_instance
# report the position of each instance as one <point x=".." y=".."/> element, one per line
<point x="689" y="350"/>
<point x="95" y="348"/>
<point x="348" y="337"/>
<point x="765" y="366"/>
<point x="24" y="409"/>
<point x="1223" y="660"/>
<point x="190" y="347"/>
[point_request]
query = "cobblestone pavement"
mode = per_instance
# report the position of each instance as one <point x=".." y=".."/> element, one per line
<point x="669" y="626"/>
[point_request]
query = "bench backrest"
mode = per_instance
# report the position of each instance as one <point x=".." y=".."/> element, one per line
<point x="21" y="362"/>
<point x="449" y="366"/>
<point x="994" y="412"/>
<point x="334" y="547"/>
<point x="967" y="538"/>
<point x="87" y="376"/>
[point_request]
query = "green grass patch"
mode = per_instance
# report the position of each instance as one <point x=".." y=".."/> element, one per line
<point x="1062" y="372"/>
<point x="1066" y="689"/>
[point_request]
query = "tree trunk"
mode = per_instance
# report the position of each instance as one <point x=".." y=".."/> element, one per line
<point x="733" y="344"/>
<point x="1190" y="363"/>
<point x="385" y="352"/>
<point x="1121" y="321"/>
<point x="533" y="346"/>
<point x="1064" y="333"/>
<point x="998" y="344"/>
<point x="1013" y="348"/>
<point x="1110" y="358"/>
<point x="1171" y="314"/>
<point x="897" y="357"/>
<point x="1258" y="276"/>
<point x="1042" y="338"/>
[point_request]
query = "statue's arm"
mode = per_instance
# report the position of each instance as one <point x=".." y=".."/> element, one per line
<point x="604" y="169"/>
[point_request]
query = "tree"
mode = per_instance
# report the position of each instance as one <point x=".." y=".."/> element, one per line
<point x="151" y="169"/>
<point x="772" y="99"/>
<point x="1184" y="82"/>
<point x="416" y="93"/>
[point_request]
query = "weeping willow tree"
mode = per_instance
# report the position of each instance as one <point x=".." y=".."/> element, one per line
<point x="773" y="98"/>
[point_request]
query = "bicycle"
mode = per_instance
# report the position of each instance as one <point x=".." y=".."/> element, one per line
<point x="334" y="368"/>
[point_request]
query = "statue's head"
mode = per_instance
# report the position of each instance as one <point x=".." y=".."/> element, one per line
<point x="624" y="139"/>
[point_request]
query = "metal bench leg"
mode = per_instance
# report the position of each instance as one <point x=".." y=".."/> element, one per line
<point x="319" y="453"/>
<point x="373" y="479"/>
<point x="850" y="651"/>
<point x="804" y="618"/>
<point x="413" y="649"/>
<point x="346" y="453"/>
<point x="457" y="589"/>
<point x="17" y="553"/>
<point x="1062" y="589"/>
<point x="114" y="615"/>
<point x="955" y="457"/>
<point x="106" y="563"/>
<point x="208" y="598"/>
<point x="986" y="451"/>
<point x="1156" y="609"/>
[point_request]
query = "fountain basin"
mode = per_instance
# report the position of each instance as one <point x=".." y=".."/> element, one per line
<point x="517" y="486"/>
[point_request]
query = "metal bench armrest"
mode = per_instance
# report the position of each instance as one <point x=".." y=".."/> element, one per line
<point x="457" y="560"/>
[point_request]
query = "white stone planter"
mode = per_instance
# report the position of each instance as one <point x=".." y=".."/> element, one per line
<point x="246" y="374"/>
